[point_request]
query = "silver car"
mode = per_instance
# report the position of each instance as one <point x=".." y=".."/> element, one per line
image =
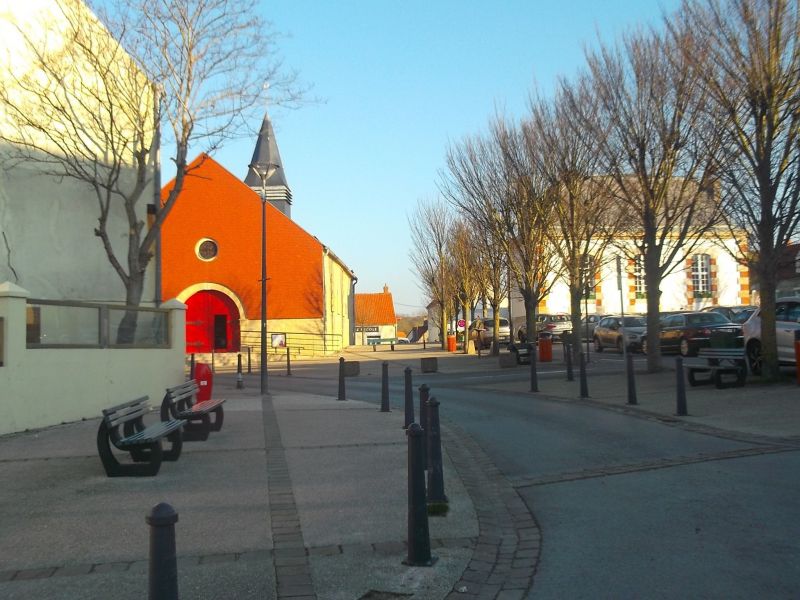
<point x="787" y="321"/>
<point x="611" y="331"/>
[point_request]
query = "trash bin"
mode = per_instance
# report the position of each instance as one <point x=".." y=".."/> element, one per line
<point x="205" y="381"/>
<point x="451" y="343"/>
<point x="545" y="347"/>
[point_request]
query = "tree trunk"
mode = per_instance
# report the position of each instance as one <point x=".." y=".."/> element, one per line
<point x="126" y="332"/>
<point x="575" y="295"/>
<point x="496" y="320"/>
<point x="652" y="282"/>
<point x="443" y="326"/>
<point x="465" y="349"/>
<point x="770" y="368"/>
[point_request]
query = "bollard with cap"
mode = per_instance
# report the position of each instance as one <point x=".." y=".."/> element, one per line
<point x="424" y="394"/>
<point x="680" y="398"/>
<point x="409" y="399"/>
<point x="419" y="539"/>
<point x="239" y="380"/>
<point x="341" y="379"/>
<point x="385" y="387"/>
<point x="436" y="495"/>
<point x="163" y="567"/>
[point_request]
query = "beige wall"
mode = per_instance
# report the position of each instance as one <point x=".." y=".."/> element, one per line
<point x="43" y="387"/>
<point x="47" y="240"/>
<point x="338" y="298"/>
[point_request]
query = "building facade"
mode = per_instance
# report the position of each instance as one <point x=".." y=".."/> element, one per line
<point x="211" y="260"/>
<point x="375" y="317"/>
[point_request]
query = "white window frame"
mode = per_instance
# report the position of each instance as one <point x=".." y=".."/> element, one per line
<point x="701" y="273"/>
<point x="639" y="282"/>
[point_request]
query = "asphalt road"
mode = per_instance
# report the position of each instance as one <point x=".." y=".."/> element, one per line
<point x="628" y="507"/>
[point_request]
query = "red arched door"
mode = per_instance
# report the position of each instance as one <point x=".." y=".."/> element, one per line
<point x="212" y="323"/>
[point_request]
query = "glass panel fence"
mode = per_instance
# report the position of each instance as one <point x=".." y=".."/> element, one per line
<point x="63" y="325"/>
<point x="138" y="327"/>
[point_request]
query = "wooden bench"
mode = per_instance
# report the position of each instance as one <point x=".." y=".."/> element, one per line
<point x="717" y="362"/>
<point x="180" y="402"/>
<point x="375" y="342"/>
<point x="142" y="441"/>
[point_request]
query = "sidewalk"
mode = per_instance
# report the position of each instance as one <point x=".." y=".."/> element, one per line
<point x="321" y="497"/>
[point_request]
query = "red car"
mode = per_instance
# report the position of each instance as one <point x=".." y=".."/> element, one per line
<point x="686" y="333"/>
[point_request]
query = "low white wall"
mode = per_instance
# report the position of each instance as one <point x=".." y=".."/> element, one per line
<point x="43" y="387"/>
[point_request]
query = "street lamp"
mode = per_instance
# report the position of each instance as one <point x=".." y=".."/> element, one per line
<point x="264" y="170"/>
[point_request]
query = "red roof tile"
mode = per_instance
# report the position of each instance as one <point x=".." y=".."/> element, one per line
<point x="375" y="309"/>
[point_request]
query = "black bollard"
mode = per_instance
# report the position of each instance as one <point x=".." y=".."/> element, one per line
<point x="249" y="361"/>
<point x="239" y="380"/>
<point x="288" y="362"/>
<point x="424" y="394"/>
<point x="385" y="387"/>
<point x="419" y="539"/>
<point x="341" y="379"/>
<point x="631" y="379"/>
<point x="436" y="495"/>
<point x="534" y="379"/>
<point x="191" y="367"/>
<point x="409" y="399"/>
<point x="163" y="570"/>
<point x="681" y="388"/>
<point x="423" y="344"/>
<point x="584" y="382"/>
<point x="568" y="358"/>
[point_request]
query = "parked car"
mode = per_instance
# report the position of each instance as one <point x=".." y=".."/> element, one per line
<point x="557" y="325"/>
<point x="787" y="321"/>
<point x="610" y="331"/>
<point x="588" y="323"/>
<point x="734" y="314"/>
<point x="687" y="332"/>
<point x="483" y="330"/>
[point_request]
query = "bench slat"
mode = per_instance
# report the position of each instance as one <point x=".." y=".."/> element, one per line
<point x="128" y="411"/>
<point x="151" y="433"/>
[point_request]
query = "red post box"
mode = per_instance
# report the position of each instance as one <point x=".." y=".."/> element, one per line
<point x="205" y="381"/>
<point x="545" y="347"/>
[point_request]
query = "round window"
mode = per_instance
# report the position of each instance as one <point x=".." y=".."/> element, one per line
<point x="206" y="249"/>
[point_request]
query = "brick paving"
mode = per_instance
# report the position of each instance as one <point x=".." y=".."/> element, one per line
<point x="506" y="555"/>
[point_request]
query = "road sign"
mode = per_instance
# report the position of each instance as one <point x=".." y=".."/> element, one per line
<point x="461" y="322"/>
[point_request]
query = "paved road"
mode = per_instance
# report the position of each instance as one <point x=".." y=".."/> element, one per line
<point x="628" y="507"/>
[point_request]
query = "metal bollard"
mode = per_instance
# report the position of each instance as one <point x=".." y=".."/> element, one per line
<point x="424" y="421"/>
<point x="631" y="379"/>
<point x="288" y="362"/>
<point x="249" y="361"/>
<point x="419" y="539"/>
<point x="163" y="569"/>
<point x="239" y="380"/>
<point x="341" y="379"/>
<point x="191" y="366"/>
<point x="424" y="344"/>
<point x="568" y="358"/>
<point x="436" y="493"/>
<point x="534" y="379"/>
<point x="385" y="387"/>
<point x="584" y="381"/>
<point x="409" y="399"/>
<point x="680" y="399"/>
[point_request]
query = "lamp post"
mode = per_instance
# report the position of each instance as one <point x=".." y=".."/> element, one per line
<point x="264" y="170"/>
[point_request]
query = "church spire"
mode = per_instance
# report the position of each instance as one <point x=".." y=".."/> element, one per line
<point x="266" y="151"/>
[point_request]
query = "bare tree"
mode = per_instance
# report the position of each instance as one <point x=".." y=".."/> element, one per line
<point x="749" y="65"/>
<point x="492" y="269"/>
<point x="657" y="145"/>
<point x="196" y="65"/>
<point x="464" y="253"/>
<point x="431" y="226"/>
<point x="585" y="221"/>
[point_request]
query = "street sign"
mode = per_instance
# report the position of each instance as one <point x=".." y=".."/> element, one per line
<point x="461" y="322"/>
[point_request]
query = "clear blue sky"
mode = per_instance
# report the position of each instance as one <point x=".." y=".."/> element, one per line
<point x="399" y="82"/>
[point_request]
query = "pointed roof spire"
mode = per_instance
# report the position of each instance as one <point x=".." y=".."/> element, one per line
<point x="266" y="151"/>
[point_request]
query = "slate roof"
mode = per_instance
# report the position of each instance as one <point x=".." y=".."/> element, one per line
<point x="266" y="150"/>
<point x="375" y="309"/>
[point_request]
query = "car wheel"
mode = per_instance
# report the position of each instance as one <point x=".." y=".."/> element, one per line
<point x="685" y="349"/>
<point x="644" y="345"/>
<point x="619" y="345"/>
<point x="598" y="347"/>
<point x="754" y="357"/>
